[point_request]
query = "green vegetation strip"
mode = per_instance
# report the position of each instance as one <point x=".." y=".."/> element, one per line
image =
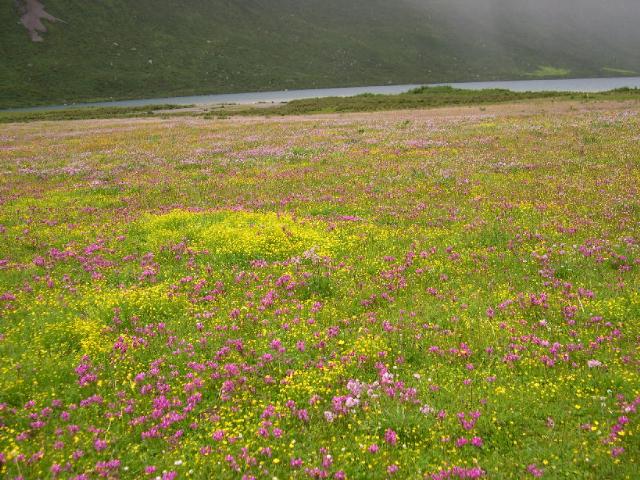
<point x="85" y="113"/>
<point x="423" y="97"/>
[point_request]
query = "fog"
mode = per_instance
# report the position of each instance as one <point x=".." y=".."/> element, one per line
<point x="571" y="33"/>
<point x="607" y="20"/>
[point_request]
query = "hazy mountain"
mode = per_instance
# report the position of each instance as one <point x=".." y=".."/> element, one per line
<point x="95" y="49"/>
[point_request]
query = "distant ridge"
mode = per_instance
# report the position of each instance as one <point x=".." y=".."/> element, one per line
<point x="147" y="48"/>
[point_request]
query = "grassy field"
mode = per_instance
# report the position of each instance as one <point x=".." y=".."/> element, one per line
<point x="362" y="296"/>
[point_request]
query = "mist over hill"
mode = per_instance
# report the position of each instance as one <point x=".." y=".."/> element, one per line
<point x="54" y="51"/>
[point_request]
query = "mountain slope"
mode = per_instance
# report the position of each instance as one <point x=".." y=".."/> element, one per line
<point x="145" y="48"/>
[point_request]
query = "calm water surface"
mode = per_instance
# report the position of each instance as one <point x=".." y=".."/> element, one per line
<point x="567" y="85"/>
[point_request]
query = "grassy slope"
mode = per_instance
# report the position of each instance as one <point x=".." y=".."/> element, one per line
<point x="104" y="49"/>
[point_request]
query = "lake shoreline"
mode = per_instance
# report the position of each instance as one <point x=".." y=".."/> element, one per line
<point x="585" y="85"/>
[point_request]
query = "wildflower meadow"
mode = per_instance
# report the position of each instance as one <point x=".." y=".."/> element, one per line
<point x="367" y="296"/>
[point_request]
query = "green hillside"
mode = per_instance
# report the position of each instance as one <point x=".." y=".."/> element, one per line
<point x="146" y="48"/>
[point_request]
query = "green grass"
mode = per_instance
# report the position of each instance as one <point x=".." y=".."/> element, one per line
<point x="619" y="71"/>
<point x="424" y="97"/>
<point x="546" y="71"/>
<point x="120" y="49"/>
<point x="84" y="113"/>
